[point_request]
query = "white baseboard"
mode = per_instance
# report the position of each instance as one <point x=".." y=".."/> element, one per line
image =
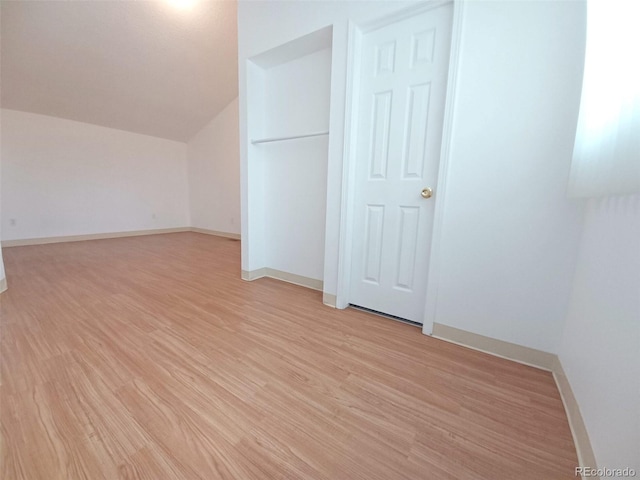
<point x="235" y="236"/>
<point x="329" y="300"/>
<point x="103" y="236"/>
<point x="249" y="276"/>
<point x="534" y="358"/>
<point x="312" y="283"/>
<point x="3" y="285"/>
<point x="498" y="348"/>
<point x="91" y="236"/>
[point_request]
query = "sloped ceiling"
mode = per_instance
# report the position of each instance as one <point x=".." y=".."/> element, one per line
<point x="143" y="66"/>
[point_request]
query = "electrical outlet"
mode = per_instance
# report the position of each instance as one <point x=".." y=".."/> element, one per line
<point x="154" y="216"/>
<point x="232" y="221"/>
<point x="12" y="222"/>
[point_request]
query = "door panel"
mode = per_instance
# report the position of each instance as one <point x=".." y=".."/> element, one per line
<point x="416" y="130"/>
<point x="401" y="107"/>
<point x="373" y="244"/>
<point x="381" y="121"/>
<point x="407" y="247"/>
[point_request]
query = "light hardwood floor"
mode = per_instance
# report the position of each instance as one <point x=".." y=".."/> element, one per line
<point x="149" y="358"/>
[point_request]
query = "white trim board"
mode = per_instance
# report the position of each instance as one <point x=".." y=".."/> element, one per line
<point x="533" y="358"/>
<point x="403" y="14"/>
<point x="104" y="236"/>
<point x="443" y="169"/>
<point x="3" y="285"/>
<point x="312" y="283"/>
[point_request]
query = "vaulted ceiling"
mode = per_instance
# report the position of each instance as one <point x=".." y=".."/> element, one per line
<point x="148" y="67"/>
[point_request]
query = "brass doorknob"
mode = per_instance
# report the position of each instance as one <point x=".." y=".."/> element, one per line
<point x="426" y="192"/>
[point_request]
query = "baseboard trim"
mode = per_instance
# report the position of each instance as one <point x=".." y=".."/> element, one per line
<point x="91" y="236"/>
<point x="329" y="300"/>
<point x="3" y="285"/>
<point x="103" y="236"/>
<point x="311" y="283"/>
<point x="498" y="348"/>
<point x="235" y="236"/>
<point x="586" y="457"/>
<point x="252" y="275"/>
<point x="534" y="358"/>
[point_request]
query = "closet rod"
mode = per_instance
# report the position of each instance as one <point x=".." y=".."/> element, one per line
<point x="293" y="137"/>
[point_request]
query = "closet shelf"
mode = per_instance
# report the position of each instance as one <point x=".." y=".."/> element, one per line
<point x="292" y="137"/>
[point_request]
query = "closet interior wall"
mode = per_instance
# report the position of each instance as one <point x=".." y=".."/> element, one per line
<point x="289" y="89"/>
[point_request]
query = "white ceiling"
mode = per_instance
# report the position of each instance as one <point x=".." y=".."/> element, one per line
<point x="142" y="66"/>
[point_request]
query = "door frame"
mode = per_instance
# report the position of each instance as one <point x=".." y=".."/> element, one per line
<point x="356" y="33"/>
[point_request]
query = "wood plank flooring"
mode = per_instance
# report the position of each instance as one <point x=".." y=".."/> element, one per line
<point x="149" y="358"/>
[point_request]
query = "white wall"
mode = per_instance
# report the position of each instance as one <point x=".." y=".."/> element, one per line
<point x="214" y="173"/>
<point x="599" y="350"/>
<point x="61" y="177"/>
<point x="510" y="235"/>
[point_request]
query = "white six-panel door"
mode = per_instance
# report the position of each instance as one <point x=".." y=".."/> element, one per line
<point x="403" y="78"/>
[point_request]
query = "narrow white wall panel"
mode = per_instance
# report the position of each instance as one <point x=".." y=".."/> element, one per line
<point x="214" y="173"/>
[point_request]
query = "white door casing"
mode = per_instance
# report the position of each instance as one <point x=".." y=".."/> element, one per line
<point x="402" y="90"/>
